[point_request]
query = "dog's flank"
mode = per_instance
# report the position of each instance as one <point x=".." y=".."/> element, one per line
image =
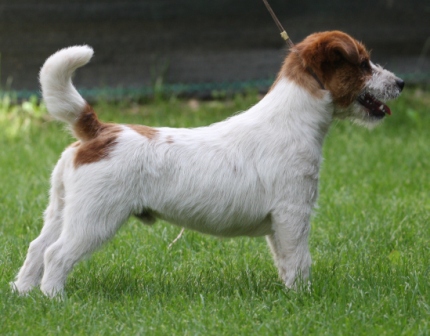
<point x="253" y="174"/>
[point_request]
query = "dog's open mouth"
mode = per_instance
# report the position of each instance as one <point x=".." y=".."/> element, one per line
<point x="375" y="107"/>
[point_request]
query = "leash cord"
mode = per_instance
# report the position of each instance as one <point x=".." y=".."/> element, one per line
<point x="284" y="34"/>
<point x="290" y="43"/>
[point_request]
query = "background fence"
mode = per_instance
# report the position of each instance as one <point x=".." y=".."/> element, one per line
<point x="197" y="46"/>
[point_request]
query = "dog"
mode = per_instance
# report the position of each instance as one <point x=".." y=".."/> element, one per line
<point x="254" y="174"/>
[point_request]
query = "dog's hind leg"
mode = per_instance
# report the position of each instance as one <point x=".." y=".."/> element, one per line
<point x="289" y="245"/>
<point x="31" y="272"/>
<point x="88" y="223"/>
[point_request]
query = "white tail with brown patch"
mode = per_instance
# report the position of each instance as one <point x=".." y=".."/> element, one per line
<point x="62" y="99"/>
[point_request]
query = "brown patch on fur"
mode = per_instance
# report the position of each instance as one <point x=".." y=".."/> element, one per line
<point x="88" y="125"/>
<point x="294" y="70"/>
<point x="97" y="138"/>
<point x="169" y="139"/>
<point x="98" y="148"/>
<point x="145" y="131"/>
<point x="340" y="62"/>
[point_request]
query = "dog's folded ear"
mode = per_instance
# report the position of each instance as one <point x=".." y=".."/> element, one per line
<point x="343" y="46"/>
<point x="329" y="47"/>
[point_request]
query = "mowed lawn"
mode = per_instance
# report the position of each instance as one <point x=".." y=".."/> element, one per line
<point x="370" y="241"/>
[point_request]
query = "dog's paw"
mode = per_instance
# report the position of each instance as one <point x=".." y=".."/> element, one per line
<point x="19" y="289"/>
<point x="53" y="292"/>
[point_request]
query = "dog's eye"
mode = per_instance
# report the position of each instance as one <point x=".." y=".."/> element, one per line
<point x="365" y="65"/>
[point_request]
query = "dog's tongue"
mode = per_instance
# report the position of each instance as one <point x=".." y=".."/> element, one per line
<point x="373" y="105"/>
<point x="382" y="107"/>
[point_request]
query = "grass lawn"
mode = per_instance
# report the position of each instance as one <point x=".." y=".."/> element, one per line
<point x="370" y="240"/>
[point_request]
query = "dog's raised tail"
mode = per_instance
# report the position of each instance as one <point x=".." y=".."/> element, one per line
<point x="62" y="99"/>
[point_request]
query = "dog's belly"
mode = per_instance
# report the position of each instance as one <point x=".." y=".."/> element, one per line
<point x="224" y="226"/>
<point x="196" y="181"/>
<point x="235" y="214"/>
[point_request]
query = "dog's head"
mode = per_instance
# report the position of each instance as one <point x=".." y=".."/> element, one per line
<point x="342" y="66"/>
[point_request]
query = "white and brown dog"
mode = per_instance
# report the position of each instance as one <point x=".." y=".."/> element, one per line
<point x="254" y="174"/>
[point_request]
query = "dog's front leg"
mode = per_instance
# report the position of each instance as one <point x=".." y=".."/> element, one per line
<point x="289" y="245"/>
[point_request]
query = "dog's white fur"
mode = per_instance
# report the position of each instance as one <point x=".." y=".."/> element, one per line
<point x="253" y="174"/>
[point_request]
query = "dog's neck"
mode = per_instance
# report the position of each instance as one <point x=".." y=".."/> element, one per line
<point x="294" y="113"/>
<point x="286" y="128"/>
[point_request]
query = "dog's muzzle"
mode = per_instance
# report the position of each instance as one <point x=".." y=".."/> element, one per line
<point x="375" y="107"/>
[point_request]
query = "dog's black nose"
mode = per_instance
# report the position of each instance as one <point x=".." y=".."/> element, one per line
<point x="400" y="83"/>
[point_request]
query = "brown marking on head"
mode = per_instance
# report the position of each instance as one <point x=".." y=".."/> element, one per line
<point x="340" y="62"/>
<point x="294" y="70"/>
<point x="145" y="131"/>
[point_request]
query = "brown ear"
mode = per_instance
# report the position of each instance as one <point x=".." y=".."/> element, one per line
<point x="309" y="51"/>
<point x="330" y="47"/>
<point x="343" y="46"/>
